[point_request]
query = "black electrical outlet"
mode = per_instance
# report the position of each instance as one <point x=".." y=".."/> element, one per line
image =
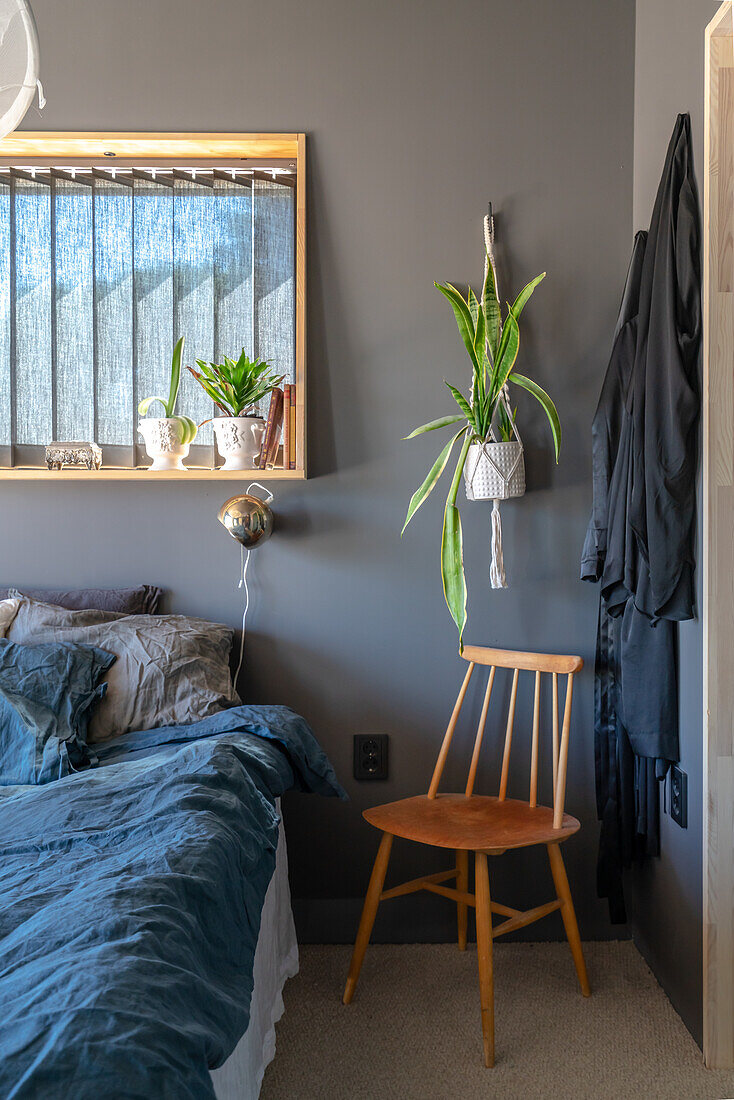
<point x="370" y="756"/>
<point x="679" y="796"/>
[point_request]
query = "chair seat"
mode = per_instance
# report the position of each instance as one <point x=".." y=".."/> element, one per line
<point x="476" y="823"/>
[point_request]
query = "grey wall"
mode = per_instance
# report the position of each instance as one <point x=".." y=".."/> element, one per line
<point x="664" y="896"/>
<point x="418" y="113"/>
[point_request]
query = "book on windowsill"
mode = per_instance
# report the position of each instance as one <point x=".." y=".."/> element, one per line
<point x="292" y="434"/>
<point x="271" y="436"/>
<point x="287" y="390"/>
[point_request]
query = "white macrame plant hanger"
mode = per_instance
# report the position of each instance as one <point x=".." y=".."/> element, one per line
<point x="495" y="469"/>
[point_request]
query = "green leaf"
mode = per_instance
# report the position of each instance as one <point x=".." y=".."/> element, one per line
<point x="148" y="401"/>
<point x="473" y="303"/>
<point x="491" y="310"/>
<point x="550" y="409"/>
<point x="480" y="349"/>
<point x="463" y="318"/>
<point x="487" y="414"/>
<point x="521" y="300"/>
<point x="484" y="403"/>
<point x="452" y="568"/>
<point x="475" y="395"/>
<point x="505" y="422"/>
<point x="421" y="494"/>
<point x="175" y="377"/>
<point x="211" y="390"/>
<point x="188" y="428"/>
<point x="462" y="402"/>
<point x="442" y="422"/>
<point x="452" y="563"/>
<point x="507" y="351"/>
<point x="204" y="368"/>
<point x="477" y="317"/>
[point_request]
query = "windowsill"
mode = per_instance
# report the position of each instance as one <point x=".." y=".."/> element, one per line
<point x="142" y="473"/>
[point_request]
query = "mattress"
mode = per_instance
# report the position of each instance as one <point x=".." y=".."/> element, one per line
<point x="276" y="960"/>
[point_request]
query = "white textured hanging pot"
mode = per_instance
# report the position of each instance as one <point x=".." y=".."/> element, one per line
<point x="494" y="471"/>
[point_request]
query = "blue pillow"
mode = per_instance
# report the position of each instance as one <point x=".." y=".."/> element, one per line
<point x="47" y="693"/>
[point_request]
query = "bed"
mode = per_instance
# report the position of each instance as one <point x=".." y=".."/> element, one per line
<point x="276" y="960"/>
<point x="145" y="922"/>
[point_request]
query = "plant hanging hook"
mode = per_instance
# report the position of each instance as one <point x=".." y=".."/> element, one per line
<point x="489" y="245"/>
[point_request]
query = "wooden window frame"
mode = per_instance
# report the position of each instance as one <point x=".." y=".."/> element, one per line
<point x="44" y="149"/>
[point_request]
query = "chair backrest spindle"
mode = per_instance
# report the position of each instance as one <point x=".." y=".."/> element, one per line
<point x="448" y="736"/>
<point x="555" y="734"/>
<point x="480" y="735"/>
<point x="508" y="737"/>
<point x="560" y="791"/>
<point x="536" y="738"/>
<point x="557" y="665"/>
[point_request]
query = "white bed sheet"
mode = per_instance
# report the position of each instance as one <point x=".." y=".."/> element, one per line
<point x="276" y="960"/>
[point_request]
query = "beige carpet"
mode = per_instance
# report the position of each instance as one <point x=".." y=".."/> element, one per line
<point x="413" y="1029"/>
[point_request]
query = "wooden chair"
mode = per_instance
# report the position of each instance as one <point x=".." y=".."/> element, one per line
<point x="487" y="826"/>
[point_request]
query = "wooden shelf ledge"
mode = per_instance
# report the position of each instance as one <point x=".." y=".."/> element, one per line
<point x="143" y="473"/>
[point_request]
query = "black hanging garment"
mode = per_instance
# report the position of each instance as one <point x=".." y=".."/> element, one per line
<point x="639" y="543"/>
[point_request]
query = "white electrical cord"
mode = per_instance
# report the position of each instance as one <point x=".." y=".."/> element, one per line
<point x="244" y="562"/>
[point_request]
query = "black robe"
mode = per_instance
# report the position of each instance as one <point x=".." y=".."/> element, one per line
<point x="639" y="544"/>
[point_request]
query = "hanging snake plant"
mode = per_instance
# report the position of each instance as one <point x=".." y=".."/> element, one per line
<point x="492" y="345"/>
<point x="187" y="425"/>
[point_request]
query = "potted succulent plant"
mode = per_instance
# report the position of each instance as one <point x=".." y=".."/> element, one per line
<point x="168" y="438"/>
<point x="492" y="345"/>
<point x="235" y="388"/>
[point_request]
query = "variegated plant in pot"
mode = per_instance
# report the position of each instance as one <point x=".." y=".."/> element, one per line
<point x="167" y="438"/>
<point x="492" y="345"/>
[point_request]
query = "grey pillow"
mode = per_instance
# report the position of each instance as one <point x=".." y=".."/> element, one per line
<point x="170" y="669"/>
<point x="142" y="600"/>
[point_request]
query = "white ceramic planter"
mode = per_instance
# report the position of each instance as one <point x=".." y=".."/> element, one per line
<point x="163" y="443"/>
<point x="494" y="471"/>
<point x="238" y="440"/>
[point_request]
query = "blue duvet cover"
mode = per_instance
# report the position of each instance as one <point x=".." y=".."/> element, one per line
<point x="130" y="900"/>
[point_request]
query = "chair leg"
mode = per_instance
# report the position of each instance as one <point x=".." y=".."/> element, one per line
<point x="484" y="953"/>
<point x="563" y="893"/>
<point x="462" y="883"/>
<point x="369" y="912"/>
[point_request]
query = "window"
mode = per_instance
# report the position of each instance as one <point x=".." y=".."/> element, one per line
<point x="106" y="260"/>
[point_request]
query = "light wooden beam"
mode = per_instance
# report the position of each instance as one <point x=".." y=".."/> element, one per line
<point x="718" y="536"/>
<point x="24" y="143"/>
<point x="116" y="473"/>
